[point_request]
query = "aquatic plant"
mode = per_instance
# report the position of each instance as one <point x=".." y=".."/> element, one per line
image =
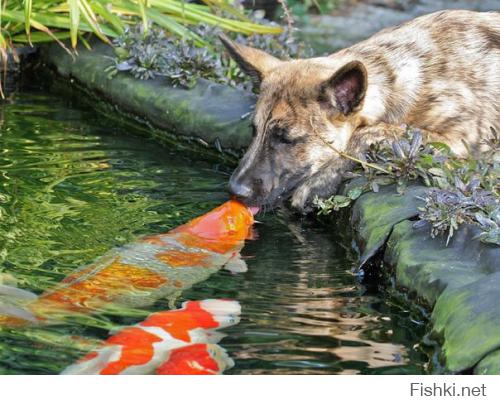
<point x="155" y="53"/>
<point x="462" y="190"/>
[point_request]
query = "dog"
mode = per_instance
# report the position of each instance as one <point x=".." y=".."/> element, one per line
<point x="439" y="72"/>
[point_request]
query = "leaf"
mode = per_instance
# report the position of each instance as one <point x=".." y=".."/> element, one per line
<point x="355" y="192"/>
<point x="74" y="16"/>
<point x="111" y="18"/>
<point x="28" y="5"/>
<point x="440" y="146"/>
<point x="436" y="171"/>
<point x="341" y="201"/>
<point x="142" y="8"/>
<point x="91" y="18"/>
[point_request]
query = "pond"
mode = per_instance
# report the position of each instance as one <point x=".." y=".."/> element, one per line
<point x="74" y="184"/>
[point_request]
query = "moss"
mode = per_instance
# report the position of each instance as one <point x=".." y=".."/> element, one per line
<point x="469" y="319"/>
<point x="427" y="266"/>
<point x="490" y="364"/>
<point x="375" y="214"/>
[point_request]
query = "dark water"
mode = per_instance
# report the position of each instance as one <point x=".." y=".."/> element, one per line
<point x="74" y="184"/>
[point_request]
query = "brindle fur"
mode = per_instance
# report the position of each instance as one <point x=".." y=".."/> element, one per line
<point x="439" y="72"/>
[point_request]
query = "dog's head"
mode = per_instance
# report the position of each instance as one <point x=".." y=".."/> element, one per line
<point x="303" y="106"/>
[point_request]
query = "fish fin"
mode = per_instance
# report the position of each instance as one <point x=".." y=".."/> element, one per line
<point x="213" y="336"/>
<point x="11" y="293"/>
<point x="13" y="300"/>
<point x="236" y="265"/>
<point x="172" y="299"/>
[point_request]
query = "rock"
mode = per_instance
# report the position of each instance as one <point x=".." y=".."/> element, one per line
<point x="427" y="266"/>
<point x="375" y="214"/>
<point x="216" y="113"/>
<point x="468" y="317"/>
<point x="490" y="364"/>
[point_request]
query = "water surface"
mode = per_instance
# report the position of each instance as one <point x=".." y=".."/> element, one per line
<point x="74" y="184"/>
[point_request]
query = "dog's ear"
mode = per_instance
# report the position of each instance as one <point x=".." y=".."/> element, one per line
<point x="347" y="86"/>
<point x="253" y="62"/>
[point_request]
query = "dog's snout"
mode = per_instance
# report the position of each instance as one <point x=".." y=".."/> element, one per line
<point x="239" y="189"/>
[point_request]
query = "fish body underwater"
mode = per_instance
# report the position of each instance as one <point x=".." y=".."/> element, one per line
<point x="139" y="273"/>
<point x="180" y="341"/>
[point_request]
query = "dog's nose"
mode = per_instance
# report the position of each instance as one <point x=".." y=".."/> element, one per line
<point x="239" y="189"/>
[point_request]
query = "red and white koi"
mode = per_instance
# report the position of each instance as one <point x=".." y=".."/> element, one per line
<point x="197" y="359"/>
<point x="168" y="342"/>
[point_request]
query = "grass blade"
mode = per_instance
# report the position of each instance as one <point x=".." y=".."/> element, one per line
<point x="142" y="8"/>
<point x="74" y="16"/>
<point x="19" y="17"/>
<point x="40" y="37"/>
<point x="91" y="19"/>
<point x="28" y="5"/>
<point x="107" y="15"/>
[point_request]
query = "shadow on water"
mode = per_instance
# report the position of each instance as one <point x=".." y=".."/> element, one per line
<point x="73" y="185"/>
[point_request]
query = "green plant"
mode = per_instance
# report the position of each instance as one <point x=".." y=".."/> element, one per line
<point x="446" y="210"/>
<point x="30" y="21"/>
<point x="155" y="53"/>
<point x="461" y="190"/>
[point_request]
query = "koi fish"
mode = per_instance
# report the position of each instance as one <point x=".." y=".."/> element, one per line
<point x="168" y="342"/>
<point x="197" y="359"/>
<point x="139" y="273"/>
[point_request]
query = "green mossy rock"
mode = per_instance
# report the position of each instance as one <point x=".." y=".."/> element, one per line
<point x="461" y="279"/>
<point x="490" y="364"/>
<point x="469" y="319"/>
<point x="427" y="266"/>
<point x="208" y="111"/>
<point x="375" y="214"/>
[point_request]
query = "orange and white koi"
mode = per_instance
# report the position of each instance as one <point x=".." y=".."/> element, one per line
<point x="141" y="272"/>
<point x="168" y="342"/>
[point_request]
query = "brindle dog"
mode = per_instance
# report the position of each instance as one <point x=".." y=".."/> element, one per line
<point x="439" y="72"/>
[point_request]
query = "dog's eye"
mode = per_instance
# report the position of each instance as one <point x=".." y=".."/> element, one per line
<point x="281" y="135"/>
